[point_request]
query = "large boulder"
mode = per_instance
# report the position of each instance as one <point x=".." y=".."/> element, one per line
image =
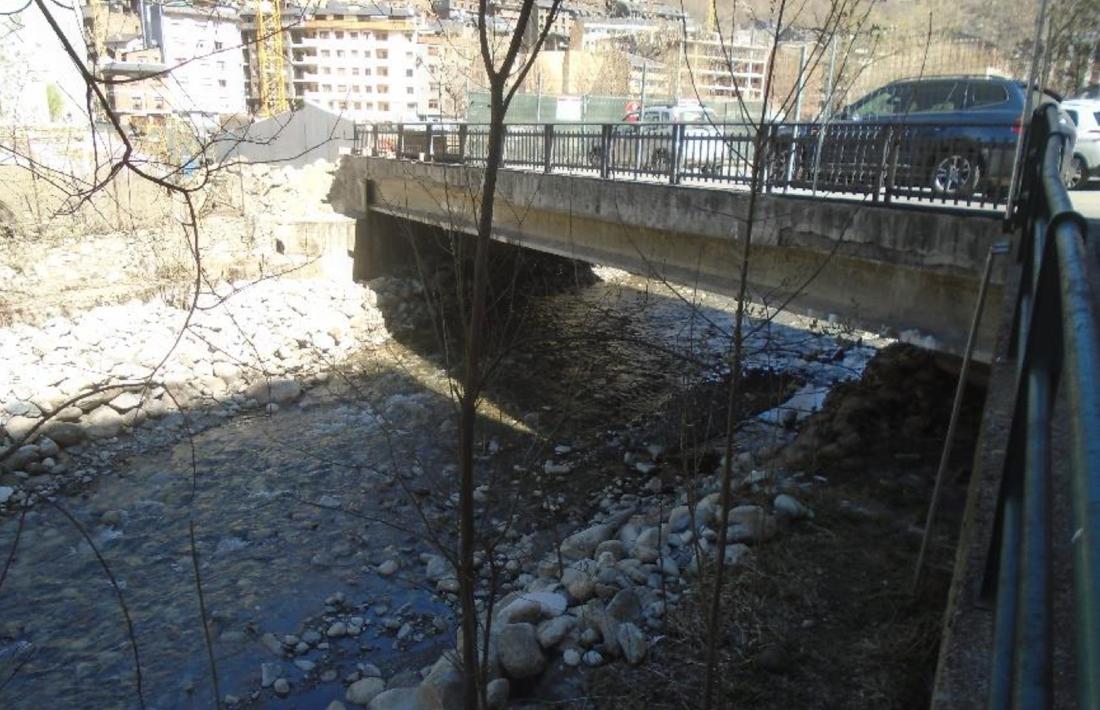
<point x="364" y="690"/>
<point x="103" y="423"/>
<point x="633" y="643"/>
<point x="520" y="653"/>
<point x="397" y="699"/>
<point x="582" y="544"/>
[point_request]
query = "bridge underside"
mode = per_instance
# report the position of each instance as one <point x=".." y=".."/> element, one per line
<point x="908" y="272"/>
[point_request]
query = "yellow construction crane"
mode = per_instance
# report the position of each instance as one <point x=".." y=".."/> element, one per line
<point x="270" y="57"/>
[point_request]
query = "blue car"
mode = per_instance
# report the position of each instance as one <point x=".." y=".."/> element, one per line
<point x="947" y="135"/>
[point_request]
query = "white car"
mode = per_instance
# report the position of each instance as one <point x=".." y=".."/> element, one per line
<point x="1085" y="114"/>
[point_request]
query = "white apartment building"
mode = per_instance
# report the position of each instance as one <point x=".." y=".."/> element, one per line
<point x="201" y="44"/>
<point x="364" y="61"/>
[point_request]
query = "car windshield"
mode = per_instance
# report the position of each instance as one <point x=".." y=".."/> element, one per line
<point x="696" y="115"/>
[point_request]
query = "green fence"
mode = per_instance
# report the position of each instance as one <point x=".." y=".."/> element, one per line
<point x="546" y="108"/>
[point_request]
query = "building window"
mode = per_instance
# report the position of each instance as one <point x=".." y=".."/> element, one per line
<point x="355" y="52"/>
<point x="358" y="105"/>
<point x="433" y="105"/>
<point x="409" y="36"/>
<point x="433" y="51"/>
<point x="222" y="83"/>
<point x="408" y="55"/>
<point x="341" y="88"/>
<point x="382" y="54"/>
<point x="135" y="103"/>
<point x="217" y="45"/>
<point x="366" y="54"/>
<point x="381" y="36"/>
<point x="339" y="35"/>
<point x="409" y="90"/>
<point x="323" y="34"/>
<point x="366" y="71"/>
<point x="355" y="71"/>
<point x="353" y="35"/>
<point x="326" y="87"/>
<point x="324" y="53"/>
<point x="355" y="88"/>
<point x="221" y="66"/>
<point x="159" y="104"/>
<point x="368" y="89"/>
<point x="343" y="105"/>
<point x="341" y="71"/>
<point x="408" y="72"/>
<point x="326" y="70"/>
<point x="339" y="53"/>
<point x="383" y="89"/>
<point x="383" y="71"/>
<point x="383" y="105"/>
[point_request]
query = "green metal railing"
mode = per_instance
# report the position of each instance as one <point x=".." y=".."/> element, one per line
<point x="1056" y="341"/>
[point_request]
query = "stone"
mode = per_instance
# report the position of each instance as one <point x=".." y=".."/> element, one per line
<point x="749" y="523"/>
<point x="282" y="687"/>
<point x="647" y="547"/>
<point x="22" y="457"/>
<point x="336" y="705"/>
<point x="337" y="630"/>
<point x="6" y="494"/>
<point x="550" y="633"/>
<point x="496" y="694"/>
<point x="519" y="650"/>
<point x="387" y="568"/>
<point x="311" y="636"/>
<point x="364" y="690"/>
<point x="582" y="544"/>
<point x="272" y="644"/>
<point x="571" y="657"/>
<point x="593" y="658"/>
<point x="47" y="446"/>
<point x="102" y="423"/>
<point x="442" y="687"/>
<point x="789" y="507"/>
<point x="633" y="642"/>
<point x="679" y="519"/>
<point x="19" y="427"/>
<point x="578" y="583"/>
<point x="396" y="699"/>
<point x="125" y="401"/>
<point x="269" y="673"/>
<point x="18" y="408"/>
<point x="438" y="568"/>
<point x="64" y="433"/>
<point x="737" y="553"/>
<point x="626" y="606"/>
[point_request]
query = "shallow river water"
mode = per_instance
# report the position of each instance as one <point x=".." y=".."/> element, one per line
<point x="292" y="508"/>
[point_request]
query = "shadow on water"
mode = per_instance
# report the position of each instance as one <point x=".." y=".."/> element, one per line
<point x="272" y="550"/>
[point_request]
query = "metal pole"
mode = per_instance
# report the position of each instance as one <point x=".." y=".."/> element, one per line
<point x="801" y="84"/>
<point x="538" y="99"/>
<point x="1026" y="113"/>
<point x="830" y="85"/>
<point x="956" y="407"/>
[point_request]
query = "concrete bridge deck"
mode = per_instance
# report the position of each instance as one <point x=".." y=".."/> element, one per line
<point x="908" y="272"/>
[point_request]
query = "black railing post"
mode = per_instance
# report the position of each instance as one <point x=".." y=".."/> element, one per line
<point x="400" y="140"/>
<point x="461" y="143"/>
<point x="431" y="143"/>
<point x="374" y="139"/>
<point x="605" y="150"/>
<point x="767" y="149"/>
<point x="547" y="147"/>
<point x="674" y="160"/>
<point x="893" y="142"/>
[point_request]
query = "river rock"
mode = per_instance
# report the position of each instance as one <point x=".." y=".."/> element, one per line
<point x="64" y="433"/>
<point x="387" y="568"/>
<point x="593" y="658"/>
<point x="550" y="633"/>
<point x="364" y="690"/>
<point x="582" y="544"/>
<point x="496" y="693"/>
<point x="571" y="657"/>
<point x="579" y="583"/>
<point x="520" y="653"/>
<point x="19" y="427"/>
<point x="679" y="519"/>
<point x="396" y="699"/>
<point x="282" y="687"/>
<point x="102" y="423"/>
<point x="633" y="643"/>
<point x="787" y="506"/>
<point x="749" y="523"/>
<point x="337" y="630"/>
<point x="6" y="494"/>
<point x="125" y="401"/>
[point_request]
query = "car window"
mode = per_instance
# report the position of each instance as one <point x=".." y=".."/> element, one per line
<point x="936" y="96"/>
<point x="884" y="102"/>
<point x="985" y="93"/>
<point x="1073" y="116"/>
<point x="1096" y="117"/>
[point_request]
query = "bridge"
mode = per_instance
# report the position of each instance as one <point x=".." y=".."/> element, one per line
<point x="881" y="253"/>
<point x="1022" y="627"/>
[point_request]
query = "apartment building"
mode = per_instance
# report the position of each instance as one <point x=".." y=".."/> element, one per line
<point x="364" y="61"/>
<point x="184" y="57"/>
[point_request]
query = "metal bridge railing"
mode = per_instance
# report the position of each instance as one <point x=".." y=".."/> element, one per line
<point x="966" y="164"/>
<point x="1056" y="343"/>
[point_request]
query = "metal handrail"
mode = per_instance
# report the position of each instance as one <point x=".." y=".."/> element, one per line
<point x="1056" y="340"/>
<point x="879" y="161"/>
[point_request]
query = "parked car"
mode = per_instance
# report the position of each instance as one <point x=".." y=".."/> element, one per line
<point x="644" y="141"/>
<point x="1085" y="114"/>
<point x="953" y="135"/>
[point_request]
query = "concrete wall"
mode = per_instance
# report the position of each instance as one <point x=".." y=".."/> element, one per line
<point x="910" y="272"/>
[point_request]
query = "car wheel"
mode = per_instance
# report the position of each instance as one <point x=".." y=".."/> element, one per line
<point x="956" y="174"/>
<point x="1078" y="174"/>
